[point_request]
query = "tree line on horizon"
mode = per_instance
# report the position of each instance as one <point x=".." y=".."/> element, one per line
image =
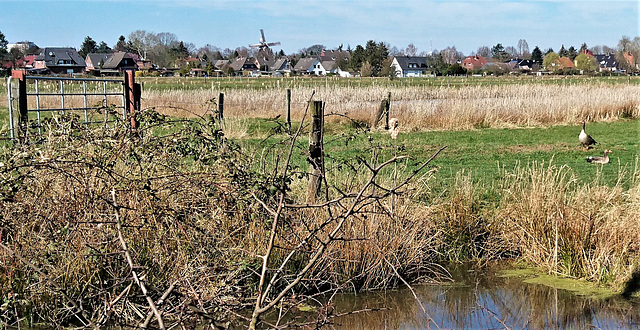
<point x="165" y="49"/>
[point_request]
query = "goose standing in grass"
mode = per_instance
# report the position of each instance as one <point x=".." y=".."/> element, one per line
<point x="393" y="128"/>
<point x="585" y="139"/>
<point x="600" y="159"/>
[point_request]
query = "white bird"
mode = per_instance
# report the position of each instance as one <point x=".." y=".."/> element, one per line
<point x="600" y="159"/>
<point x="585" y="139"/>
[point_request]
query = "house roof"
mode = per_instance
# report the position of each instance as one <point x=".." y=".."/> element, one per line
<point x="219" y="64"/>
<point x="53" y="55"/>
<point x="498" y="65"/>
<point x="280" y="64"/>
<point x="145" y="65"/>
<point x="333" y="55"/>
<point x="627" y="55"/>
<point x="412" y="62"/>
<point x="305" y="64"/>
<point x="94" y="59"/>
<point x="566" y="62"/>
<point x="474" y="62"/>
<point x="239" y="63"/>
<point x="29" y="59"/>
<point x="329" y="65"/>
<point x="265" y="61"/>
<point x="116" y="58"/>
<point x="606" y="60"/>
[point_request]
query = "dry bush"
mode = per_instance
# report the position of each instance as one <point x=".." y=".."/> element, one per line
<point x="185" y="218"/>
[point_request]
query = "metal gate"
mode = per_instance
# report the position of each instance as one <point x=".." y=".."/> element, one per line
<point x="33" y="99"/>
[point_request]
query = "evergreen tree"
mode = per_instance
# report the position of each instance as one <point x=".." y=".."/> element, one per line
<point x="572" y="53"/>
<point x="88" y="46"/>
<point x="380" y="55"/>
<point x="210" y="68"/>
<point x="563" y="52"/>
<point x="121" y="45"/>
<point x="583" y="48"/>
<point x="357" y="58"/>
<point x="375" y="54"/>
<point x="536" y="55"/>
<point x="3" y="46"/>
<point x="103" y="48"/>
<point x="499" y="53"/>
<point x="180" y="51"/>
<point x="436" y="63"/>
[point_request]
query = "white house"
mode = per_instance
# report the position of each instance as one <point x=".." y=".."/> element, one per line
<point x="410" y="66"/>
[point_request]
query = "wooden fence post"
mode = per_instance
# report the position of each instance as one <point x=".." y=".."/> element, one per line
<point x="289" y="110"/>
<point x="132" y="93"/>
<point x="387" y="107"/>
<point x="383" y="110"/>
<point x="316" y="152"/>
<point x="23" y="109"/>
<point x="221" y="110"/>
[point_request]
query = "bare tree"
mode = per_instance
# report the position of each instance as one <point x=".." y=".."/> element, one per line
<point x="523" y="49"/>
<point x="394" y="51"/>
<point x="450" y="55"/>
<point x="596" y="49"/>
<point x="411" y="50"/>
<point x="167" y="39"/>
<point x="624" y="45"/>
<point x="142" y="41"/>
<point x="512" y="51"/>
<point x="483" y="51"/>
<point x="212" y="52"/>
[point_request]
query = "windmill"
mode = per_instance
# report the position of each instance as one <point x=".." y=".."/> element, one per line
<point x="263" y="43"/>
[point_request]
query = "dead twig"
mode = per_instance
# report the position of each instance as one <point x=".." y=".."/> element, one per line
<point x="132" y="266"/>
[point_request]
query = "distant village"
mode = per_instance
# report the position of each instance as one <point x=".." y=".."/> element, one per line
<point x="323" y="62"/>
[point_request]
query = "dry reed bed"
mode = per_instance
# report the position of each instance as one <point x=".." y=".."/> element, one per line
<point x="545" y="218"/>
<point x="424" y="107"/>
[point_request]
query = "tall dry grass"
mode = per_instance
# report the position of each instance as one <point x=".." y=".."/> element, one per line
<point x="423" y="107"/>
<point x="586" y="231"/>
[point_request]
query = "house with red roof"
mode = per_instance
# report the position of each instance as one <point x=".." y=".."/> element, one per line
<point x="474" y="62"/>
<point x="565" y="63"/>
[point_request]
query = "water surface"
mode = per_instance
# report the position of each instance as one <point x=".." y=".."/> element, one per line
<point x="482" y="300"/>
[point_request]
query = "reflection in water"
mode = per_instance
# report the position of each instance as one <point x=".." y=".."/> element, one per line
<point x="485" y="301"/>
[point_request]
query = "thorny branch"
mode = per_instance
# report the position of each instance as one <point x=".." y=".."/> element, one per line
<point x="139" y="281"/>
<point x="360" y="198"/>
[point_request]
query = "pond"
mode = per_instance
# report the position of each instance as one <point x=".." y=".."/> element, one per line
<point x="485" y="300"/>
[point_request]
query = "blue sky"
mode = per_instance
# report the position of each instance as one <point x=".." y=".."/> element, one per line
<point x="298" y="24"/>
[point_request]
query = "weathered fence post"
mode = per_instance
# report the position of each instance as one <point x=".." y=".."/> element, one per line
<point x="221" y="111"/>
<point x="132" y="92"/>
<point x="387" y="110"/>
<point x="383" y="110"/>
<point x="23" y="110"/>
<point x="289" y="110"/>
<point x="316" y="152"/>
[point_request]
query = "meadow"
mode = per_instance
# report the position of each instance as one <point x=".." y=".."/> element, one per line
<point x="216" y="221"/>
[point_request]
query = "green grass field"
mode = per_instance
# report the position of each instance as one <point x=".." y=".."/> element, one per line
<point x="484" y="154"/>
